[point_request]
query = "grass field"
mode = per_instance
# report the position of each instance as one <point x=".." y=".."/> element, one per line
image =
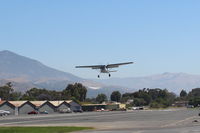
<point x="41" y="129"/>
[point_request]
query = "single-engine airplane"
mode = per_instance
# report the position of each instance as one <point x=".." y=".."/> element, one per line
<point x="105" y="68"/>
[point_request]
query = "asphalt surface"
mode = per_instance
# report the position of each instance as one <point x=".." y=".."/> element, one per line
<point x="147" y="121"/>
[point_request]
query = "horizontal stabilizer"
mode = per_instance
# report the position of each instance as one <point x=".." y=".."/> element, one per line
<point x="113" y="71"/>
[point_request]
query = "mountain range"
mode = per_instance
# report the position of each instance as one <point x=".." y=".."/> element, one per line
<point x="26" y="73"/>
<point x="173" y="82"/>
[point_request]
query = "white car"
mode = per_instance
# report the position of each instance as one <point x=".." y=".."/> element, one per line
<point x="137" y="108"/>
<point x="4" y="113"/>
<point x="67" y="110"/>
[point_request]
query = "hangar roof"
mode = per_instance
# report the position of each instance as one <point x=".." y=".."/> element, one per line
<point x="38" y="103"/>
<point x="56" y="103"/>
<point x="17" y="103"/>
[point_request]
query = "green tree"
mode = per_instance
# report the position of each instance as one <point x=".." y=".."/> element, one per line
<point x="144" y="95"/>
<point x="101" y="98"/>
<point x="6" y="91"/>
<point x="154" y="104"/>
<point x="194" y="97"/>
<point x="125" y="99"/>
<point x="14" y="96"/>
<point x="33" y="93"/>
<point x="171" y="98"/>
<point x="77" y="91"/>
<point x="41" y="94"/>
<point x="153" y="97"/>
<point x="138" y="102"/>
<point x="154" y="93"/>
<point x="195" y="101"/>
<point x="115" y="96"/>
<point x="194" y="93"/>
<point x="82" y="90"/>
<point x="183" y="93"/>
<point x="66" y="95"/>
<point x="91" y="100"/>
<point x="55" y="95"/>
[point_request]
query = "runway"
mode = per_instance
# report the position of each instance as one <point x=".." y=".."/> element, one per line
<point x="147" y="121"/>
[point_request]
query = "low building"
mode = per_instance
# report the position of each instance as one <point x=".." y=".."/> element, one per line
<point x="180" y="104"/>
<point x="26" y="108"/>
<point x="75" y="107"/>
<point x="93" y="107"/>
<point x="44" y="106"/>
<point x="60" y="105"/>
<point x="63" y="106"/>
<point x="56" y="104"/>
<point x="22" y="107"/>
<point x="5" y="105"/>
<point x="112" y="107"/>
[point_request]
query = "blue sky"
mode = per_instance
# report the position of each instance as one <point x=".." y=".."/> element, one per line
<point x="159" y="36"/>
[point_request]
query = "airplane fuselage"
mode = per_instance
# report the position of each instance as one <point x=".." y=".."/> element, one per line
<point x="103" y="69"/>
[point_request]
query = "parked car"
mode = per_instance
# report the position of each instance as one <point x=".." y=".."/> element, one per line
<point x="120" y="109"/>
<point x="67" y="110"/>
<point x="4" y="113"/>
<point x="138" y="108"/>
<point x="32" y="112"/>
<point x="101" y="110"/>
<point x="190" y="106"/>
<point x="78" y="111"/>
<point x="44" y="112"/>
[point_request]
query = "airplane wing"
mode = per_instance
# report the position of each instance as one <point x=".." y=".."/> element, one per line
<point x="118" y="64"/>
<point x="93" y="66"/>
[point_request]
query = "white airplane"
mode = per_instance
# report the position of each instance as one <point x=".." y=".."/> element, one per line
<point x="105" y="68"/>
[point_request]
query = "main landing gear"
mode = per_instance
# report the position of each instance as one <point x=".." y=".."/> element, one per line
<point x="108" y="75"/>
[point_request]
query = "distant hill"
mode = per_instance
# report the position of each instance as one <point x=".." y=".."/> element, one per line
<point x="16" y="67"/>
<point x="26" y="73"/>
<point x="107" y="90"/>
<point x="174" y="82"/>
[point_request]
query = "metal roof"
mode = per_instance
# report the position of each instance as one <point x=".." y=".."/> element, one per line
<point x="1" y="102"/>
<point x="68" y="101"/>
<point x="56" y="103"/>
<point x="38" y="103"/>
<point x="17" y="103"/>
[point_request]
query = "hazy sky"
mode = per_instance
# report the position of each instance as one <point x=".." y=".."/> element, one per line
<point x="159" y="36"/>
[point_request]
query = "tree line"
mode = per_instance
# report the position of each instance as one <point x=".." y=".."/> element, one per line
<point x="193" y="97"/>
<point x="76" y="92"/>
<point x="155" y="98"/>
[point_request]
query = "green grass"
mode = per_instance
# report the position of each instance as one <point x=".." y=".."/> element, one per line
<point x="41" y="129"/>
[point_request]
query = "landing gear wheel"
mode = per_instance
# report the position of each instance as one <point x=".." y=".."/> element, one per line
<point x="109" y="75"/>
<point x="98" y="76"/>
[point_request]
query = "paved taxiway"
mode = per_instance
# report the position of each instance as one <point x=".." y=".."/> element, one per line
<point x="147" y="121"/>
